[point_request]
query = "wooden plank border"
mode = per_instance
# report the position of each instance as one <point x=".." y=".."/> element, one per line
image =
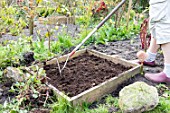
<point x="102" y="89"/>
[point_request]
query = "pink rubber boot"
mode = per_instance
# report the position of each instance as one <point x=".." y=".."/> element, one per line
<point x="158" y="77"/>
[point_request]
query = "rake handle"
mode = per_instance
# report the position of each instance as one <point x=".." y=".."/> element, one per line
<point x="110" y="14"/>
<point x="97" y="27"/>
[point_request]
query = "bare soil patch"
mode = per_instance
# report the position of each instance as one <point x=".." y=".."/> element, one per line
<point x="82" y="73"/>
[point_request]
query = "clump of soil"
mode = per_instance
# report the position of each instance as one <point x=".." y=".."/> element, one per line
<point x="5" y="94"/>
<point x="82" y="73"/>
<point x="28" y="58"/>
<point x="44" y="97"/>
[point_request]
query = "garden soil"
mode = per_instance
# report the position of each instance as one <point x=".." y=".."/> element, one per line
<point x="127" y="49"/>
<point x="82" y="73"/>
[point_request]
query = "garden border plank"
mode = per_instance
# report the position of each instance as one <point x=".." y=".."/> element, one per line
<point x="102" y="89"/>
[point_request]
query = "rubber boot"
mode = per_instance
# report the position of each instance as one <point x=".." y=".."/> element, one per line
<point x="158" y="77"/>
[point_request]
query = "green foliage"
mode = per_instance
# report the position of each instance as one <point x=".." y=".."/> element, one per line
<point x="99" y="109"/>
<point x="110" y="100"/>
<point x="1" y="73"/>
<point x="12" y="53"/>
<point x="62" y="9"/>
<point x="83" y="35"/>
<point x="12" y="107"/>
<point x="62" y="106"/>
<point x="109" y="33"/>
<point x="41" y="51"/>
<point x="142" y="5"/>
<point x="11" y="21"/>
<point x="56" y="47"/>
<point x="64" y="42"/>
<point x="106" y="33"/>
<point x="44" y="12"/>
<point x="164" y="100"/>
<point x="163" y="106"/>
<point x="27" y="90"/>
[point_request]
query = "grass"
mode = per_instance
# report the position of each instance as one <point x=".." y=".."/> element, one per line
<point x="62" y="106"/>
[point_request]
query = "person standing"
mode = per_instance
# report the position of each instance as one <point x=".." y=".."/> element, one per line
<point x="159" y="25"/>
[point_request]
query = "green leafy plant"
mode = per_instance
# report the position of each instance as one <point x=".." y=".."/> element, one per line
<point x="110" y="100"/>
<point x="61" y="106"/>
<point x="65" y="41"/>
<point x="100" y="109"/>
<point x="163" y="106"/>
<point x="41" y="51"/>
<point x="31" y="92"/>
<point x="82" y="36"/>
<point x="12" y="53"/>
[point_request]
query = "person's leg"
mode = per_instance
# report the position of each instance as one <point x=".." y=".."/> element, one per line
<point x="152" y="50"/>
<point x="165" y="75"/>
<point x="151" y="53"/>
<point x="153" y="46"/>
<point x="166" y="53"/>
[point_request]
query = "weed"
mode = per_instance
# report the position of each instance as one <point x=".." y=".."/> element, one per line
<point x="31" y="92"/>
<point x="110" y="100"/>
<point x="100" y="109"/>
<point x="61" y="106"/>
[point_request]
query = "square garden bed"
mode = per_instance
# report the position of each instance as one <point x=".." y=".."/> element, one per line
<point x="88" y="75"/>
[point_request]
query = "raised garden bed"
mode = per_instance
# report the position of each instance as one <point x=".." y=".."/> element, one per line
<point x="58" y="20"/>
<point x="88" y="75"/>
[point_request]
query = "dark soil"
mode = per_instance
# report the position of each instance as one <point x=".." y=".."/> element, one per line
<point x="82" y="73"/>
<point x="5" y="95"/>
<point x="127" y="49"/>
<point x="46" y="96"/>
<point x="28" y="58"/>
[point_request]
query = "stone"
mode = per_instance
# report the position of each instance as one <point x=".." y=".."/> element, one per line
<point x="1" y="90"/>
<point x="138" y="97"/>
<point x="14" y="74"/>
